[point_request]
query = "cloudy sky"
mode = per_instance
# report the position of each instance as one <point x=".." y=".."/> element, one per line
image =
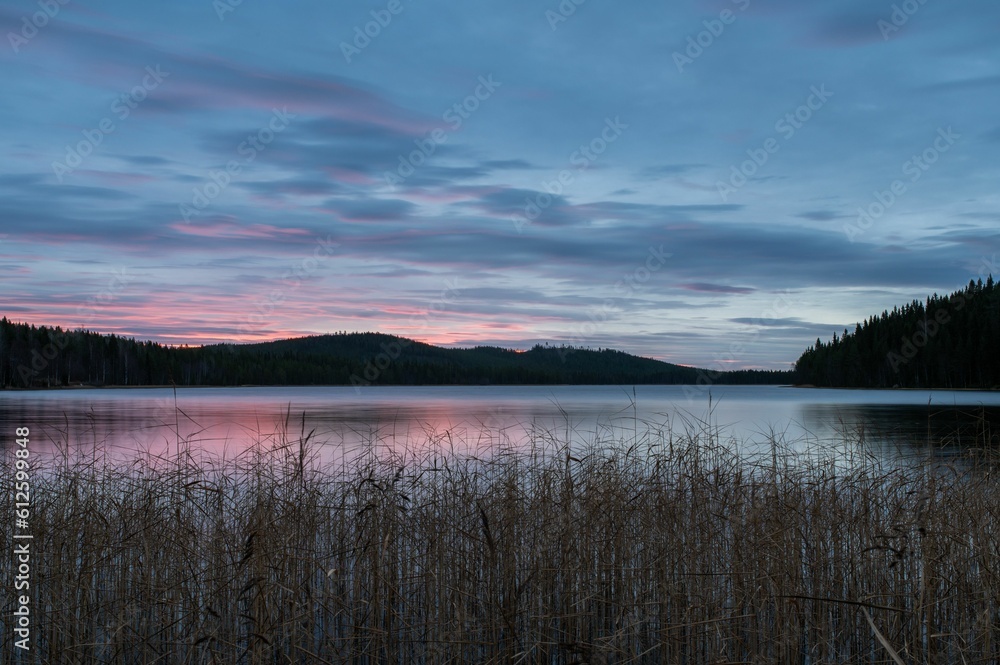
<point x="713" y="182"/>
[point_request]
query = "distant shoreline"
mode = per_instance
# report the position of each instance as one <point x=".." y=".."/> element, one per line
<point x="493" y="385"/>
<point x="899" y="388"/>
<point x="387" y="385"/>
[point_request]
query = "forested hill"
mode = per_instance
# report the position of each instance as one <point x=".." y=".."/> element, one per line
<point x="948" y="341"/>
<point x="33" y="356"/>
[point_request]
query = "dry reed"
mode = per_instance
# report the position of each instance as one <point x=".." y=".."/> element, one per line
<point x="642" y="547"/>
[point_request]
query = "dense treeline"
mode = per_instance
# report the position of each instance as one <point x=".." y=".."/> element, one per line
<point x="40" y="356"/>
<point x="945" y="342"/>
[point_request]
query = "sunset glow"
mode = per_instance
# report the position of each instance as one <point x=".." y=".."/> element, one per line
<point x="497" y="176"/>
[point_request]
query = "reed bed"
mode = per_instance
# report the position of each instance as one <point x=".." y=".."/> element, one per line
<point x="640" y="547"/>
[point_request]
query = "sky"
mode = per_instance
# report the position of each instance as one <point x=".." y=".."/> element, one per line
<point x="709" y="182"/>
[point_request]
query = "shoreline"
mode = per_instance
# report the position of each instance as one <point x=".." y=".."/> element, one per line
<point x="82" y="387"/>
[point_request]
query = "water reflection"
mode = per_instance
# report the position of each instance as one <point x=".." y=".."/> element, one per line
<point x="911" y="429"/>
<point x="227" y="421"/>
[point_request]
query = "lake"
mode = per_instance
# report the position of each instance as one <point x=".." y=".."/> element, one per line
<point x="228" y="420"/>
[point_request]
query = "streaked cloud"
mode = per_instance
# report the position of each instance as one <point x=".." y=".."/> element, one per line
<point x="390" y="249"/>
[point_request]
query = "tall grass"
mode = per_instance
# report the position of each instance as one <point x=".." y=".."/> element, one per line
<point x="641" y="547"/>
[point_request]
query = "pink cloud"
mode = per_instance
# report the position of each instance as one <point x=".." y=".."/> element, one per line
<point x="231" y="230"/>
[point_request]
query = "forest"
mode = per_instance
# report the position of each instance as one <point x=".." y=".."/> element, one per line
<point x="948" y="342"/>
<point x="50" y="357"/>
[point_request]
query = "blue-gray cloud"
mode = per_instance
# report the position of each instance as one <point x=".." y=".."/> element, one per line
<point x="373" y="161"/>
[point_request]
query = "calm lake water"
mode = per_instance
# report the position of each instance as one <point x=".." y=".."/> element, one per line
<point x="228" y="420"/>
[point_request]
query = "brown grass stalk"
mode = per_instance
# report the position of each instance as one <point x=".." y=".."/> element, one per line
<point x="640" y="547"/>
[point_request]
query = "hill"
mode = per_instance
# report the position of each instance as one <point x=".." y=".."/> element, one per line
<point x="33" y="356"/>
<point x="944" y="342"/>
